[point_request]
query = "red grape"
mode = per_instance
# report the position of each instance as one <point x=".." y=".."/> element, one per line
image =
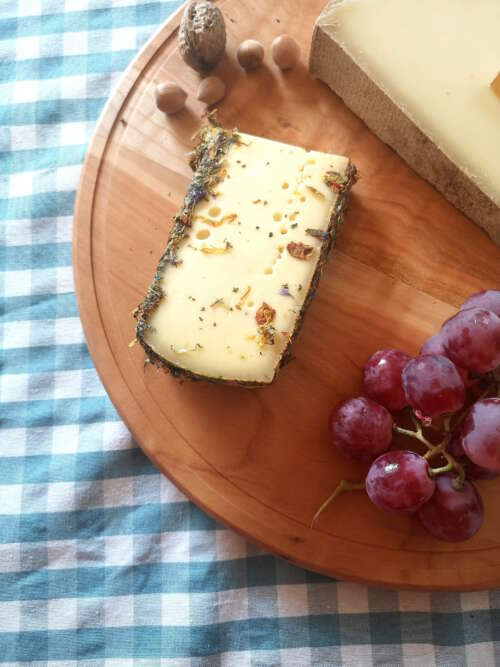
<point x="489" y="299"/>
<point x="432" y="385"/>
<point x="361" y="429"/>
<point x="472" y="339"/>
<point x="434" y="345"/>
<point x="399" y="481"/>
<point x="452" y="515"/>
<point x="480" y="434"/>
<point x="382" y="378"/>
<point x="472" y="470"/>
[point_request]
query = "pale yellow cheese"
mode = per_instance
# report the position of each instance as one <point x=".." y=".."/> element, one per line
<point x="436" y="59"/>
<point x="236" y="258"/>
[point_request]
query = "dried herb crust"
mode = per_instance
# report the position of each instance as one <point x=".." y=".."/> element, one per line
<point x="213" y="143"/>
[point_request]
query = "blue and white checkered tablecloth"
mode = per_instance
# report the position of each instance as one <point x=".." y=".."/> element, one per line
<point x="102" y="560"/>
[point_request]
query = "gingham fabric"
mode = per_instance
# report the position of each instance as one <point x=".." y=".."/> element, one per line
<point x="102" y="560"/>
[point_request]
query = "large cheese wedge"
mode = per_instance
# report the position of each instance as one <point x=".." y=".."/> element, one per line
<point x="421" y="74"/>
<point x="244" y="257"/>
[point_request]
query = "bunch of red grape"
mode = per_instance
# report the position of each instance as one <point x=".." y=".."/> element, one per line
<point x="452" y="389"/>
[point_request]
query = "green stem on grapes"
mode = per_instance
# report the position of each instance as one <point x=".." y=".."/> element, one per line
<point x="442" y="469"/>
<point x="343" y="485"/>
<point x="418" y="435"/>
<point x="439" y="449"/>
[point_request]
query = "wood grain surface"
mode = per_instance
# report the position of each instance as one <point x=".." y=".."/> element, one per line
<point x="261" y="460"/>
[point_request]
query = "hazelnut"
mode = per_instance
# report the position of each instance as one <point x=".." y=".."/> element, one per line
<point x="170" y="97"/>
<point x="250" y="54"/>
<point x="211" y="90"/>
<point x="202" y="35"/>
<point x="285" y="51"/>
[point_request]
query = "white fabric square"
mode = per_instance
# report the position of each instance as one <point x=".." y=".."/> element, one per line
<point x="68" y="331"/>
<point x="64" y="226"/>
<point x="61" y="554"/>
<point x="29" y="7"/>
<point x="10" y="557"/>
<point x="65" y="280"/>
<point x="67" y="177"/>
<point x="229" y="545"/>
<point x="65" y="439"/>
<point x="170" y="493"/>
<point x="14" y="387"/>
<point x="16" y="334"/>
<point x="21" y="184"/>
<point x="352" y="598"/>
<point x="27" y="48"/>
<point x="13" y="442"/>
<point x="123" y="39"/>
<point x="67" y="384"/>
<point x="10" y="499"/>
<point x="357" y="655"/>
<point x="119" y="611"/>
<point x="475" y="600"/>
<point x="23" y="137"/>
<point x="175" y="609"/>
<point x="480" y="654"/>
<point x="175" y="546"/>
<point x="10" y="616"/>
<point x="418" y="655"/>
<point x="118" y="492"/>
<point x="18" y="232"/>
<point x="241" y="659"/>
<point x="62" y="614"/>
<point x="61" y="497"/>
<point x="75" y="43"/>
<point x="296" y="656"/>
<point x="74" y="87"/>
<point x="118" y="550"/>
<point x="233" y="605"/>
<point x="116" y="436"/>
<point x="73" y="134"/>
<point x="77" y="5"/>
<point x="292" y="600"/>
<point x="16" y="283"/>
<point x="24" y="91"/>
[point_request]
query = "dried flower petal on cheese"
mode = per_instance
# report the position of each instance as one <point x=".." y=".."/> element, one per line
<point x="299" y="250"/>
<point x="265" y="314"/>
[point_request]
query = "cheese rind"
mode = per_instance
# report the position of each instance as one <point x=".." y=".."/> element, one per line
<point x="238" y="254"/>
<point x="418" y="73"/>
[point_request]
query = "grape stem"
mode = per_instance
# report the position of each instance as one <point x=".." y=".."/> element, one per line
<point x="435" y="450"/>
<point x="343" y="485"/>
<point x="418" y="435"/>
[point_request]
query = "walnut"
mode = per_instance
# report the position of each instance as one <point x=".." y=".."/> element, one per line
<point x="202" y="35"/>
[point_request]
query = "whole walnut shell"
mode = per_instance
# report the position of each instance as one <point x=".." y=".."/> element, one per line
<point x="202" y="35"/>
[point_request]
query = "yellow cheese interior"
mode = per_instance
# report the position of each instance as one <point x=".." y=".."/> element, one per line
<point x="236" y="258"/>
<point x="436" y="59"/>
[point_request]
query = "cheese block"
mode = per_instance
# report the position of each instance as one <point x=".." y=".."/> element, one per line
<point x="421" y="74"/>
<point x="244" y="257"/>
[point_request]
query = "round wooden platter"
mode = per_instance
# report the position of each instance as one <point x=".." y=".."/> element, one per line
<point x="260" y="460"/>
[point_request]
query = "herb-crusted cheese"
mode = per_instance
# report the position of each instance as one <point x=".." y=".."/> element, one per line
<point x="227" y="303"/>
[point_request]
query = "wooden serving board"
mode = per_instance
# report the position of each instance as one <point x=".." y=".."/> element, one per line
<point x="261" y="460"/>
